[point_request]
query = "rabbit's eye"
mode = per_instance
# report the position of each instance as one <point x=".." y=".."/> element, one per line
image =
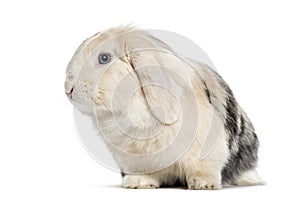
<point x="104" y="58"/>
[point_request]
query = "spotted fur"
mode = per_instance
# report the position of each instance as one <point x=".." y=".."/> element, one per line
<point x="242" y="140"/>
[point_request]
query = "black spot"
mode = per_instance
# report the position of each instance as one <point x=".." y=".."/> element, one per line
<point x="207" y="92"/>
<point x="123" y="174"/>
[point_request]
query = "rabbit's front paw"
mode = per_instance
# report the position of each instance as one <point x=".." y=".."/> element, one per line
<point x="140" y="181"/>
<point x="203" y="183"/>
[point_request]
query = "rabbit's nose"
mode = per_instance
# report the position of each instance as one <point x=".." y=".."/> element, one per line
<point x="69" y="93"/>
<point x="69" y="88"/>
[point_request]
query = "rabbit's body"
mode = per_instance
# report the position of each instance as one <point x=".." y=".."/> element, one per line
<point x="221" y="148"/>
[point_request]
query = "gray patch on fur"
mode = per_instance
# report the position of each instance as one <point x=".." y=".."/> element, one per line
<point x="242" y="140"/>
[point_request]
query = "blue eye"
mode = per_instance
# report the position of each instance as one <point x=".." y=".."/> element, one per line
<point x="104" y="58"/>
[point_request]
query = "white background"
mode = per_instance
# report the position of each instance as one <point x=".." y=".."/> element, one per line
<point x="255" y="45"/>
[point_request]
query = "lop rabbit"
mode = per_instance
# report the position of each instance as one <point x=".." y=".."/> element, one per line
<point x="166" y="119"/>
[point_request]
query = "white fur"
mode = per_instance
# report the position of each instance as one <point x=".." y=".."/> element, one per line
<point x="94" y="98"/>
<point x="140" y="181"/>
<point x="249" y="178"/>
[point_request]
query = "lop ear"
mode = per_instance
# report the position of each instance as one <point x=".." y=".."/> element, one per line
<point x="160" y="90"/>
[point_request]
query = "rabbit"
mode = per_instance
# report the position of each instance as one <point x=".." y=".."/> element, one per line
<point x="166" y="119"/>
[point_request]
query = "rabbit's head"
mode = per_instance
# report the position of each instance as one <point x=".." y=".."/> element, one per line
<point x="125" y="67"/>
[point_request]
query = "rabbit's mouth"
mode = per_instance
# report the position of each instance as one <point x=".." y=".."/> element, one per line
<point x="69" y="94"/>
